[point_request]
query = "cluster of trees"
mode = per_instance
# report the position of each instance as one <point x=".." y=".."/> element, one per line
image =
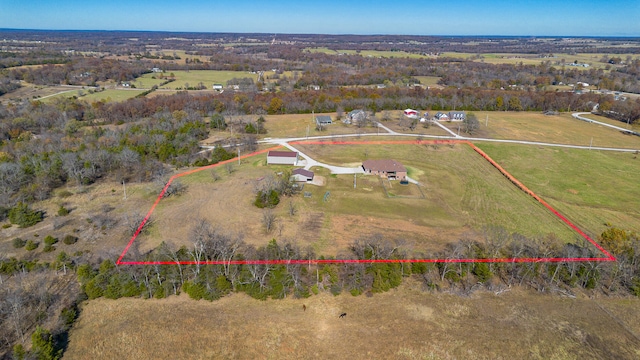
<point x="81" y="71"/>
<point x="301" y="280"/>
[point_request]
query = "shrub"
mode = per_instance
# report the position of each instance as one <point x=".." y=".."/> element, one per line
<point x="18" y="243"/>
<point x="267" y="199"/>
<point x="23" y="216"/>
<point x="70" y="240"/>
<point x="50" y="240"/>
<point x="6" y="226"/>
<point x="65" y="193"/>
<point x="48" y="248"/>
<point x="62" y="211"/>
<point x="31" y="245"/>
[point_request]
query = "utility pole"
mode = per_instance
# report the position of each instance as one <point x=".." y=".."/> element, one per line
<point x="125" y="190"/>
<point x="307" y="131"/>
<point x="591" y="143"/>
<point x="354" y="180"/>
<point x="238" y="155"/>
<point x="486" y="123"/>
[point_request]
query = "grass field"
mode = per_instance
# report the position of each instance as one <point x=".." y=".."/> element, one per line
<point x="532" y="59"/>
<point x="559" y="129"/>
<point x="368" y="53"/>
<point x="111" y="95"/>
<point x="463" y="195"/>
<point x="405" y="323"/>
<point x="428" y="80"/>
<point x="591" y="188"/>
<point x="194" y="77"/>
<point x="295" y="125"/>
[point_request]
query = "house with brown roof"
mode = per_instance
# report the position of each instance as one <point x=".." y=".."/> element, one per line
<point x="302" y="175"/>
<point x="387" y="168"/>
<point x="282" y="157"/>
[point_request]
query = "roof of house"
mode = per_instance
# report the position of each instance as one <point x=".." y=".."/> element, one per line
<point x="356" y="111"/>
<point x="303" y="172"/>
<point x="386" y="165"/>
<point x="456" y="112"/>
<point x="323" y="119"/>
<point x="282" y="153"/>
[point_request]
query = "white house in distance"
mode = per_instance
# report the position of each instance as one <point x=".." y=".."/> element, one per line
<point x="217" y="87"/>
<point x="323" y="120"/>
<point x="410" y="113"/>
<point x="302" y="175"/>
<point x="282" y="157"/>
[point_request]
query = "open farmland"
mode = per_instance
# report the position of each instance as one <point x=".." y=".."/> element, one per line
<point x="592" y="188"/>
<point x="192" y="78"/>
<point x="110" y="95"/>
<point x="463" y="194"/>
<point x="368" y="53"/>
<point x="405" y="323"/>
<point x="558" y="129"/>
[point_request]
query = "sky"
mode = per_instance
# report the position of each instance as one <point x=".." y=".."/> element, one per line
<point x="400" y="17"/>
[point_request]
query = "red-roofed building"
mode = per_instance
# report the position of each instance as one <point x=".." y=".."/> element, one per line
<point x="302" y="175"/>
<point x="282" y="157"/>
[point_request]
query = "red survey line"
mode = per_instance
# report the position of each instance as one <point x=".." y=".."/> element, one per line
<point x="370" y="261"/>
<point x="153" y="207"/>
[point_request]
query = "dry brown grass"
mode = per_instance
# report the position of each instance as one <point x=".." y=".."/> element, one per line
<point x="405" y="323"/>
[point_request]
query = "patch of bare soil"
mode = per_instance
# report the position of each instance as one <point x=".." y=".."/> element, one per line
<point x="405" y="323"/>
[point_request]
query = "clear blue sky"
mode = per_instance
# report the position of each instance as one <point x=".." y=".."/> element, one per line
<point x="403" y="17"/>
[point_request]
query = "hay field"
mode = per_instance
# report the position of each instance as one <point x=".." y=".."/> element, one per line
<point x="194" y="77"/>
<point x="463" y="194"/>
<point x="405" y="323"/>
<point x="590" y="187"/>
<point x="558" y="129"/>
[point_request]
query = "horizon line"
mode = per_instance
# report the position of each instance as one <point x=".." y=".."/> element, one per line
<point x="637" y="36"/>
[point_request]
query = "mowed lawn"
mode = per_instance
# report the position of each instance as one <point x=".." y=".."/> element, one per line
<point x="557" y="129"/>
<point x="462" y="191"/>
<point x="111" y="95"/>
<point x="591" y="187"/>
<point x="192" y="78"/>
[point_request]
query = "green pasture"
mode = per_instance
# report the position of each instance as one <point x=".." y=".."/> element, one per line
<point x="461" y="189"/>
<point x="111" y="95"/>
<point x="592" y="188"/>
<point x="194" y="77"/>
<point x="558" y="129"/>
<point x="428" y="80"/>
<point x="368" y="53"/>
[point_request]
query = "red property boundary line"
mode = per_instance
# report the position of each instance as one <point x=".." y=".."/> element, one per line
<point x="511" y="178"/>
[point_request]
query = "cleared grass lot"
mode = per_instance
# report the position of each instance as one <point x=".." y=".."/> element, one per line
<point x="558" y="129"/>
<point x="591" y="188"/>
<point x="406" y="323"/>
<point x="368" y="53"/>
<point x="111" y="95"/>
<point x="194" y="77"/>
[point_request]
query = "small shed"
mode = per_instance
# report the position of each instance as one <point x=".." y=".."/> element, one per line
<point x="302" y="175"/>
<point x="217" y="87"/>
<point x="282" y="157"/>
<point x="324" y="120"/>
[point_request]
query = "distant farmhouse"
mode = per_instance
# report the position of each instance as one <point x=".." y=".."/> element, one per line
<point x="323" y="120"/>
<point x="282" y="157"/>
<point x="440" y="116"/>
<point x="389" y="169"/>
<point x="354" y="116"/>
<point x="217" y="87"/>
<point x="410" y="113"/>
<point x="451" y="116"/>
<point x="302" y="175"/>
<point x="457" y="115"/>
